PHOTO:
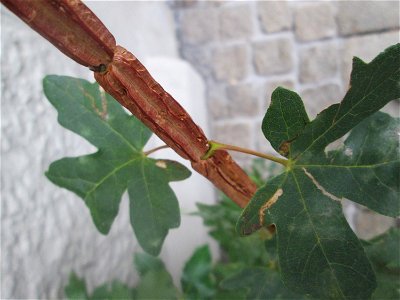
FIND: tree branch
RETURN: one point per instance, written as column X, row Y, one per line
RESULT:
column 120, row 73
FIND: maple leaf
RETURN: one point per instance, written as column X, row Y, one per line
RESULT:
column 318, row 252
column 120, row 164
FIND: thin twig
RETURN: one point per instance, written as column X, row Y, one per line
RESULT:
column 147, row 153
column 219, row 146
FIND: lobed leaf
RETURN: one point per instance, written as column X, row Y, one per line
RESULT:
column 372, row 86
column 285, row 119
column 366, row 170
column 318, row 253
column 101, row 178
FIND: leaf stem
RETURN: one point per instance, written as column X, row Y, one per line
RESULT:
column 219, row 146
column 147, row 153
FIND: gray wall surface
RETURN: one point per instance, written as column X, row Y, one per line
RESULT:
column 242, row 49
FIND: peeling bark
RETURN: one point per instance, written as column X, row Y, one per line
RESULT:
column 70, row 26
column 128, row 81
column 77, row 32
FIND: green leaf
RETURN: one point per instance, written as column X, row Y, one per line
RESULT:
column 196, row 277
column 155, row 281
column 145, row 263
column 384, row 254
column 259, row 283
column 285, row 119
column 318, row 253
column 384, row 250
column 369, row 164
column 113, row 291
column 372, row 86
column 101, row 178
column 155, row 209
column 76, row 288
column 221, row 219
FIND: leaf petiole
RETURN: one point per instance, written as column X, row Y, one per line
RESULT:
column 147, row 153
column 214, row 146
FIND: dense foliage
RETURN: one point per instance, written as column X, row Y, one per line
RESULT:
column 248, row 269
column 314, row 249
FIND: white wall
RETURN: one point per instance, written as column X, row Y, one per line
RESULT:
column 46, row 232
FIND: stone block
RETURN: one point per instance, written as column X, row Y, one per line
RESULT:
column 243, row 100
column 200, row 58
column 230, row 63
column 313, row 21
column 199, row 25
column 365, row 47
column 273, row 56
column 235, row 22
column 238, row 134
column 318, row 98
column 318, row 62
column 217, row 103
column 274, row 16
column 367, row 16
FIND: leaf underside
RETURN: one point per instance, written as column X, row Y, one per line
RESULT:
column 319, row 254
column 101, row 178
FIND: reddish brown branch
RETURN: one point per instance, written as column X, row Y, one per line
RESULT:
column 70, row 26
column 78, row 33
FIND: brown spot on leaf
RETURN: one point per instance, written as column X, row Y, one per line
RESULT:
column 284, row 148
column 320, row 187
column 161, row 164
column 271, row 201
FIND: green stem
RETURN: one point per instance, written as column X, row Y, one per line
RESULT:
column 147, row 153
column 218, row 146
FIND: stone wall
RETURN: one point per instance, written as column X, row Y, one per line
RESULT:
column 245, row 49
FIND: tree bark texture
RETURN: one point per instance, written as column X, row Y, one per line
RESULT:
column 75, row 30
